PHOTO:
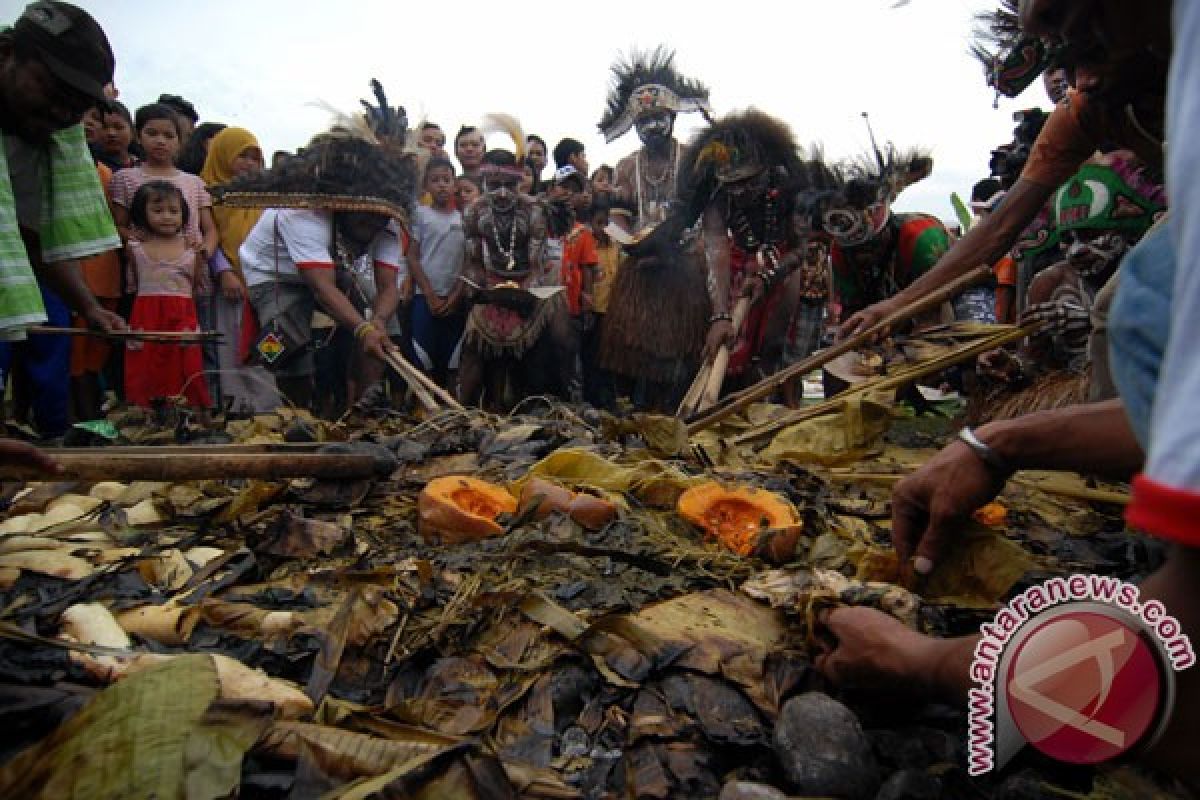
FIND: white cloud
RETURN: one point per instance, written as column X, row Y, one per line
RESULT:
column 818, row 65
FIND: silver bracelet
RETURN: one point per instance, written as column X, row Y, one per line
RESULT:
column 986, row 454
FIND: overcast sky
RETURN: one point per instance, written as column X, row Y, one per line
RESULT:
column 818, row 65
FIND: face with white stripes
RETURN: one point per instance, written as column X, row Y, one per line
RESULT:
column 1094, row 253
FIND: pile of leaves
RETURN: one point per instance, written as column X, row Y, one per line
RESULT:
column 301, row 639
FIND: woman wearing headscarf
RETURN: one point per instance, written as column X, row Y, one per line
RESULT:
column 232, row 153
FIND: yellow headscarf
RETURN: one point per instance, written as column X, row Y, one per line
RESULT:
column 233, row 224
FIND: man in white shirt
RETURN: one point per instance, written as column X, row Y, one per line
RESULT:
column 291, row 259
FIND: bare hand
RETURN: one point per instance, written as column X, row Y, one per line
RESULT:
column 720, row 334
column 376, row 343
column 24, row 454
column 437, row 305
column 231, row 288
column 940, row 496
column 754, row 288
column 872, row 650
column 101, row 319
column 1000, row 366
column 1062, row 318
column 868, row 318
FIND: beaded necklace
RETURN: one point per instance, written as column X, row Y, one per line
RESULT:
column 510, row 253
column 651, row 194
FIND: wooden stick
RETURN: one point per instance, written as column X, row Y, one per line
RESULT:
column 885, row 382
column 446, row 399
column 176, row 466
column 690, row 404
column 739, row 400
column 433, row 397
column 165, row 337
column 706, row 388
column 232, row 449
column 716, row 378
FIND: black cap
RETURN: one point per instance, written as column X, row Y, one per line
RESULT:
column 70, row 43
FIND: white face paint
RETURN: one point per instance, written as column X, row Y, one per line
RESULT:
column 655, row 126
column 501, row 192
column 1093, row 253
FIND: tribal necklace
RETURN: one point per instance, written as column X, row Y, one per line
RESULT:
column 653, row 192
column 511, row 253
column 741, row 229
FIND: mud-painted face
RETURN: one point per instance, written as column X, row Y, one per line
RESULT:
column 501, row 191
column 655, row 127
column 1094, row 253
column 749, row 191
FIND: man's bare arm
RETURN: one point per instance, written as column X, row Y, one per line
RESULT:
column 985, row 243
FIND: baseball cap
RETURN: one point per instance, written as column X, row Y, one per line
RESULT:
column 70, row 43
column 566, row 173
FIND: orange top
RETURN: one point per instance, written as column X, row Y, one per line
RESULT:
column 102, row 272
column 579, row 251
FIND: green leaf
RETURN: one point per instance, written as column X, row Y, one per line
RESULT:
column 129, row 741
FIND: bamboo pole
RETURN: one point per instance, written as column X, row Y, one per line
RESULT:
column 716, row 378
column 885, row 382
column 701, row 394
column 163, row 337
column 433, row 397
column 1085, row 493
column 99, row 465
column 764, row 388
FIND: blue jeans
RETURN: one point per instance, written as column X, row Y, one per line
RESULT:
column 45, row 364
column 434, row 338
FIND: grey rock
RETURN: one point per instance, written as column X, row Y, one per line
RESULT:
column 910, row 784
column 745, row 790
column 574, row 742
column 823, row 749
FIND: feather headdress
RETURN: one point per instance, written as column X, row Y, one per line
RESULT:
column 498, row 122
column 733, row 148
column 891, row 168
column 1011, row 60
column 360, row 164
column 645, row 82
column 853, row 203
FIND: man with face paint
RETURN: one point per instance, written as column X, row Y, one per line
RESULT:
column 1116, row 55
column 646, row 94
column 658, row 307
column 1153, row 426
column 743, row 174
column 877, row 253
column 516, row 345
column 1099, row 214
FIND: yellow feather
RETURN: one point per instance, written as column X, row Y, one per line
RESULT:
column 346, row 124
column 716, row 152
column 506, row 123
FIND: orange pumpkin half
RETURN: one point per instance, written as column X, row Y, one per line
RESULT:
column 744, row 519
column 457, row 508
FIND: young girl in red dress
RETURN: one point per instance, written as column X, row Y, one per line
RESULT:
column 166, row 269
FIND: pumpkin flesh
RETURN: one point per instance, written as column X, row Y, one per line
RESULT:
column 458, row 508
column 737, row 517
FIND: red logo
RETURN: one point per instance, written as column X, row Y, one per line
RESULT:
column 1085, row 687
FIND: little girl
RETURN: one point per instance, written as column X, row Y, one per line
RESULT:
column 158, row 134
column 115, row 136
column 165, row 269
